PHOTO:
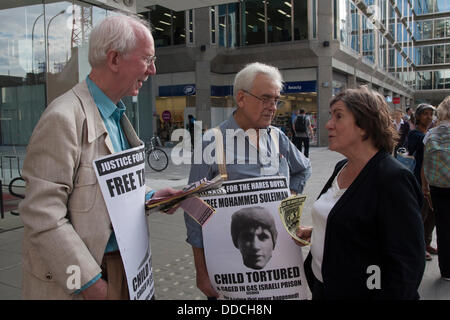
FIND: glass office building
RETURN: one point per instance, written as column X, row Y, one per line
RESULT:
column 43, row 53
column 400, row 48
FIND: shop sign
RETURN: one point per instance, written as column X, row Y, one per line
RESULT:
column 396, row 100
column 299, row 86
column 189, row 90
column 177, row 90
column 221, row 91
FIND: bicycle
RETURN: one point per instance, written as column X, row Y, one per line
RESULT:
column 157, row 159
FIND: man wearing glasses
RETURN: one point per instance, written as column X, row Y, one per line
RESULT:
column 66, row 222
column 257, row 90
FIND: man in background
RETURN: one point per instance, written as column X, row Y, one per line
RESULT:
column 302, row 132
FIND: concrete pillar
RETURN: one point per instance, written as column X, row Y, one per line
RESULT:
column 324, row 95
column 203, row 93
column 203, row 67
column 325, row 69
column 351, row 81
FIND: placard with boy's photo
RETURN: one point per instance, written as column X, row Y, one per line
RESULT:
column 249, row 254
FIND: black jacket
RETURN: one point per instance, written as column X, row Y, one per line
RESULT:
column 376, row 222
column 415, row 147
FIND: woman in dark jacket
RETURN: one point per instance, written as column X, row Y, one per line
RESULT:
column 368, row 239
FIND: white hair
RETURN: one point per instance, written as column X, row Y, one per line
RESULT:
column 244, row 79
column 118, row 33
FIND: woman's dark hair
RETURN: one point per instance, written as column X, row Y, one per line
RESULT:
column 371, row 114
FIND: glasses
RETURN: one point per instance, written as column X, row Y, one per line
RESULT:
column 149, row 60
column 267, row 102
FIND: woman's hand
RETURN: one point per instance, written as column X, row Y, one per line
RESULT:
column 304, row 233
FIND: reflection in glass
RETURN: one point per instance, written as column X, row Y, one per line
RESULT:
column 427, row 31
column 427, row 77
column 439, row 28
column 222, row 24
column 229, row 25
column 442, row 6
column 345, row 22
column 439, row 80
column 355, row 28
column 447, row 53
column 391, row 56
column 439, row 54
column 22, row 71
column 427, row 54
column 446, row 74
column 212, row 12
column 233, row 25
column 69, row 24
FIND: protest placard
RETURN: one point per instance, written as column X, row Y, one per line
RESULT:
column 122, row 182
column 249, row 254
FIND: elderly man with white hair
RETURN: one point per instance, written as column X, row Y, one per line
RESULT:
column 66, row 222
column 257, row 90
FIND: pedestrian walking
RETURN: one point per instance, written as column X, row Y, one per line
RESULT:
column 302, row 132
column 424, row 118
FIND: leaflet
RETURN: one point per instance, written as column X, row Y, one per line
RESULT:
column 290, row 211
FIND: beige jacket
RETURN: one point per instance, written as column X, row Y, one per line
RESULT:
column 64, row 214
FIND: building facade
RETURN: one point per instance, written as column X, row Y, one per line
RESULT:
column 400, row 48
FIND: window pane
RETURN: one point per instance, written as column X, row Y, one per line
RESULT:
column 439, row 54
column 427, row 6
column 279, row 21
column 426, row 84
column 427, row 54
column 447, row 79
column 418, row 30
column 179, row 27
column 447, row 53
column 427, row 32
column 355, row 28
column 439, row 80
column 253, row 22
column 191, row 26
column 212, row 13
column 22, row 72
column 300, row 19
column 160, row 19
column 234, row 25
column 442, row 6
column 391, row 57
column 439, row 28
column 222, row 26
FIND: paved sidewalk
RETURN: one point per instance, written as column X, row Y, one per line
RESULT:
column 173, row 262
